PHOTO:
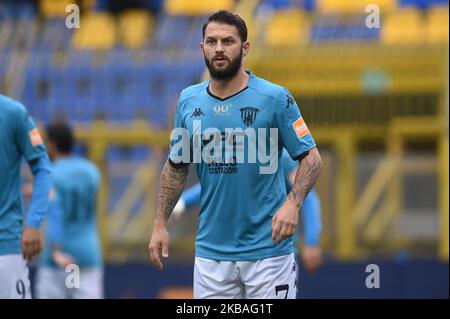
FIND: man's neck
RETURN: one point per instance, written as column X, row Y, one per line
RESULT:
column 225, row 88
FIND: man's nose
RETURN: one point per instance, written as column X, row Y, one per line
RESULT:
column 219, row 46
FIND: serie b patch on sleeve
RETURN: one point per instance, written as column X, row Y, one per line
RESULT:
column 35, row 137
column 300, row 127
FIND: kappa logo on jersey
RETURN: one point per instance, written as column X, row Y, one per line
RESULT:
column 35, row 137
column 289, row 101
column 300, row 127
column 197, row 112
column 248, row 115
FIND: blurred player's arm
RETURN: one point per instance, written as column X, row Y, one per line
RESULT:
column 55, row 229
column 286, row 219
column 311, row 252
column 31, row 146
column 31, row 237
column 171, row 184
column 189, row 198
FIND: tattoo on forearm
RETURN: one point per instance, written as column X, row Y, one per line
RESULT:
column 305, row 178
column 171, row 184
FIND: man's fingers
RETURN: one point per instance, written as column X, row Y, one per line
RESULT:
column 26, row 249
column 154, row 256
column 165, row 249
column 283, row 233
column 276, row 226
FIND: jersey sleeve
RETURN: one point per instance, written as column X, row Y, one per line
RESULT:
column 27, row 137
column 55, row 227
column 180, row 141
column 293, row 134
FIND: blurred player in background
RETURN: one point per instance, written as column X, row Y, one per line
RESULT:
column 311, row 253
column 72, row 236
column 20, row 236
column 245, row 216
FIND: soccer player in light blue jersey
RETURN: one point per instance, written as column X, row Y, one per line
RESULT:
column 234, row 127
column 72, row 236
column 311, row 253
column 20, row 237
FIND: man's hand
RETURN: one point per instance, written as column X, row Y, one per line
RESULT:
column 31, row 242
column 159, row 244
column 311, row 257
column 284, row 222
column 62, row 259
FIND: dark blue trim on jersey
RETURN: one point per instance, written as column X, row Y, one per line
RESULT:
column 228, row 97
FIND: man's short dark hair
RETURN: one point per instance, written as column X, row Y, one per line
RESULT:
column 60, row 134
column 226, row 17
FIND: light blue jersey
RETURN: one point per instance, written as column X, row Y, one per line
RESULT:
column 72, row 218
column 238, row 201
column 19, row 138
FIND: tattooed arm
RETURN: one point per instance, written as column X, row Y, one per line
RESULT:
column 285, row 220
column 171, row 185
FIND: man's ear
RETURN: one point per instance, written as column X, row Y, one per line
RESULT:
column 245, row 48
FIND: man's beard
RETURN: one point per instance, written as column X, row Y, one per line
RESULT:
column 226, row 73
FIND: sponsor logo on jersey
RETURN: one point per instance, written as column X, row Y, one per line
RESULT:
column 35, row 137
column 300, row 127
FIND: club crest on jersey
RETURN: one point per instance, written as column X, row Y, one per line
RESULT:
column 248, row 115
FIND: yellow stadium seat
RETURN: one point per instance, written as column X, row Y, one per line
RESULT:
column 196, row 7
column 437, row 25
column 54, row 8
column 287, row 28
column 353, row 6
column 98, row 31
column 403, row 26
column 135, row 28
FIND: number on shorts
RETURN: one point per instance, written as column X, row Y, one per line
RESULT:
column 20, row 287
column 282, row 288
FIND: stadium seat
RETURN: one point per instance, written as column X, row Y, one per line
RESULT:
column 135, row 27
column 352, row 6
column 54, row 8
column 437, row 25
column 196, row 7
column 403, row 26
column 98, row 31
column 287, row 28
column 423, row 4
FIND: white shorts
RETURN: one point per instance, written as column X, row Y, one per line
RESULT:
column 51, row 284
column 14, row 281
column 271, row 278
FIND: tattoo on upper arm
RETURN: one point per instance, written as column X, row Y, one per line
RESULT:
column 171, row 184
